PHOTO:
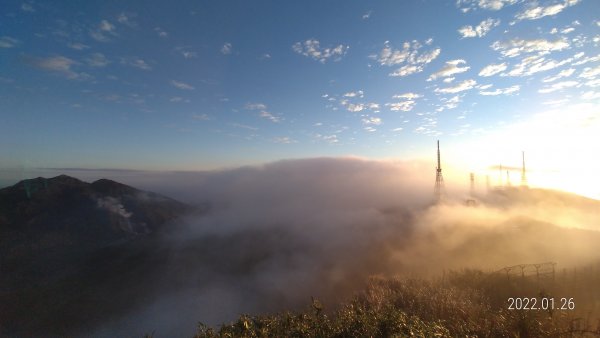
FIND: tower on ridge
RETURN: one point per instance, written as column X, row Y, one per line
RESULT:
column 439, row 179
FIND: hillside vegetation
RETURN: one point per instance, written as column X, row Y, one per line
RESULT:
column 468, row 303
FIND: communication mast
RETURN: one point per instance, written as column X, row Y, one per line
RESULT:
column 472, row 179
column 523, row 173
column 439, row 179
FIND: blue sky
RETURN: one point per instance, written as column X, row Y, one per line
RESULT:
column 194, row 85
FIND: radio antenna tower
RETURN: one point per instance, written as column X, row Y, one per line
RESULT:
column 523, row 175
column 472, row 179
column 439, row 179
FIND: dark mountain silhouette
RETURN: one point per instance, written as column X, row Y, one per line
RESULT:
column 57, row 234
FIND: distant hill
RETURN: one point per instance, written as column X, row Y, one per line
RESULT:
column 53, row 235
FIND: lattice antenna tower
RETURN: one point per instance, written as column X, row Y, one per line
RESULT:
column 472, row 179
column 439, row 190
column 523, row 172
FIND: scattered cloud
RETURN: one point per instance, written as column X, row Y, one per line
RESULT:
column 265, row 56
column 515, row 47
column 255, row 106
column 375, row 121
column 226, row 49
column 590, row 73
column 352, row 107
column 367, row 15
column 266, row 115
column 462, row 86
column 450, row 68
column 503, row 91
column 534, row 64
column 561, row 74
column 491, row 5
column 201, row 117
column 409, row 57
column 359, row 93
column 78, row 46
column 480, row 30
column 8, row 42
column 407, row 105
column 140, row 64
column 97, row 60
column 536, row 11
column 590, row 95
column 125, row 19
column 492, row 69
column 284, row 140
column 58, row 64
column 408, row 96
column 311, row 48
column 161, row 32
column 104, row 32
column 328, row 138
column 558, row 86
column 27, row 7
column 182, row 85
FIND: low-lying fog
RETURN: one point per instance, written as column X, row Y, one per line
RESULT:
column 275, row 235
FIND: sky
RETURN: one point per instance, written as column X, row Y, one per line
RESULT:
column 199, row 85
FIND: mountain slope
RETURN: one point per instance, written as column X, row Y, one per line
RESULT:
column 49, row 231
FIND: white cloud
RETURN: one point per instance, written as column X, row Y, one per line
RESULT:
column 284, row 140
column 256, row 106
column 561, row 74
column 359, row 93
column 97, row 60
column 182, row 85
column 590, row 73
column 372, row 121
column 8, row 42
column 492, row 69
column 103, row 31
column 367, row 15
column 26, row 7
column 409, row 96
column 449, row 79
column 226, row 49
column 311, row 48
column 355, row 107
column 498, row 91
column 480, row 30
column 591, row 95
column 78, row 46
column 462, row 86
column 491, row 5
column 59, row 64
column 161, row 32
column 401, row 106
column 125, row 19
column 141, row 64
column 450, row 68
column 558, row 86
column 586, row 59
column 201, row 117
column 409, row 56
column 406, row 70
column 266, row 115
column 534, row 64
column 535, row 11
column 515, row 47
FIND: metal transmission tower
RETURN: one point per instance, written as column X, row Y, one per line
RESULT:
column 472, row 179
column 439, row 179
column 523, row 175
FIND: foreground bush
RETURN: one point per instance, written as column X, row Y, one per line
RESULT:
column 463, row 305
